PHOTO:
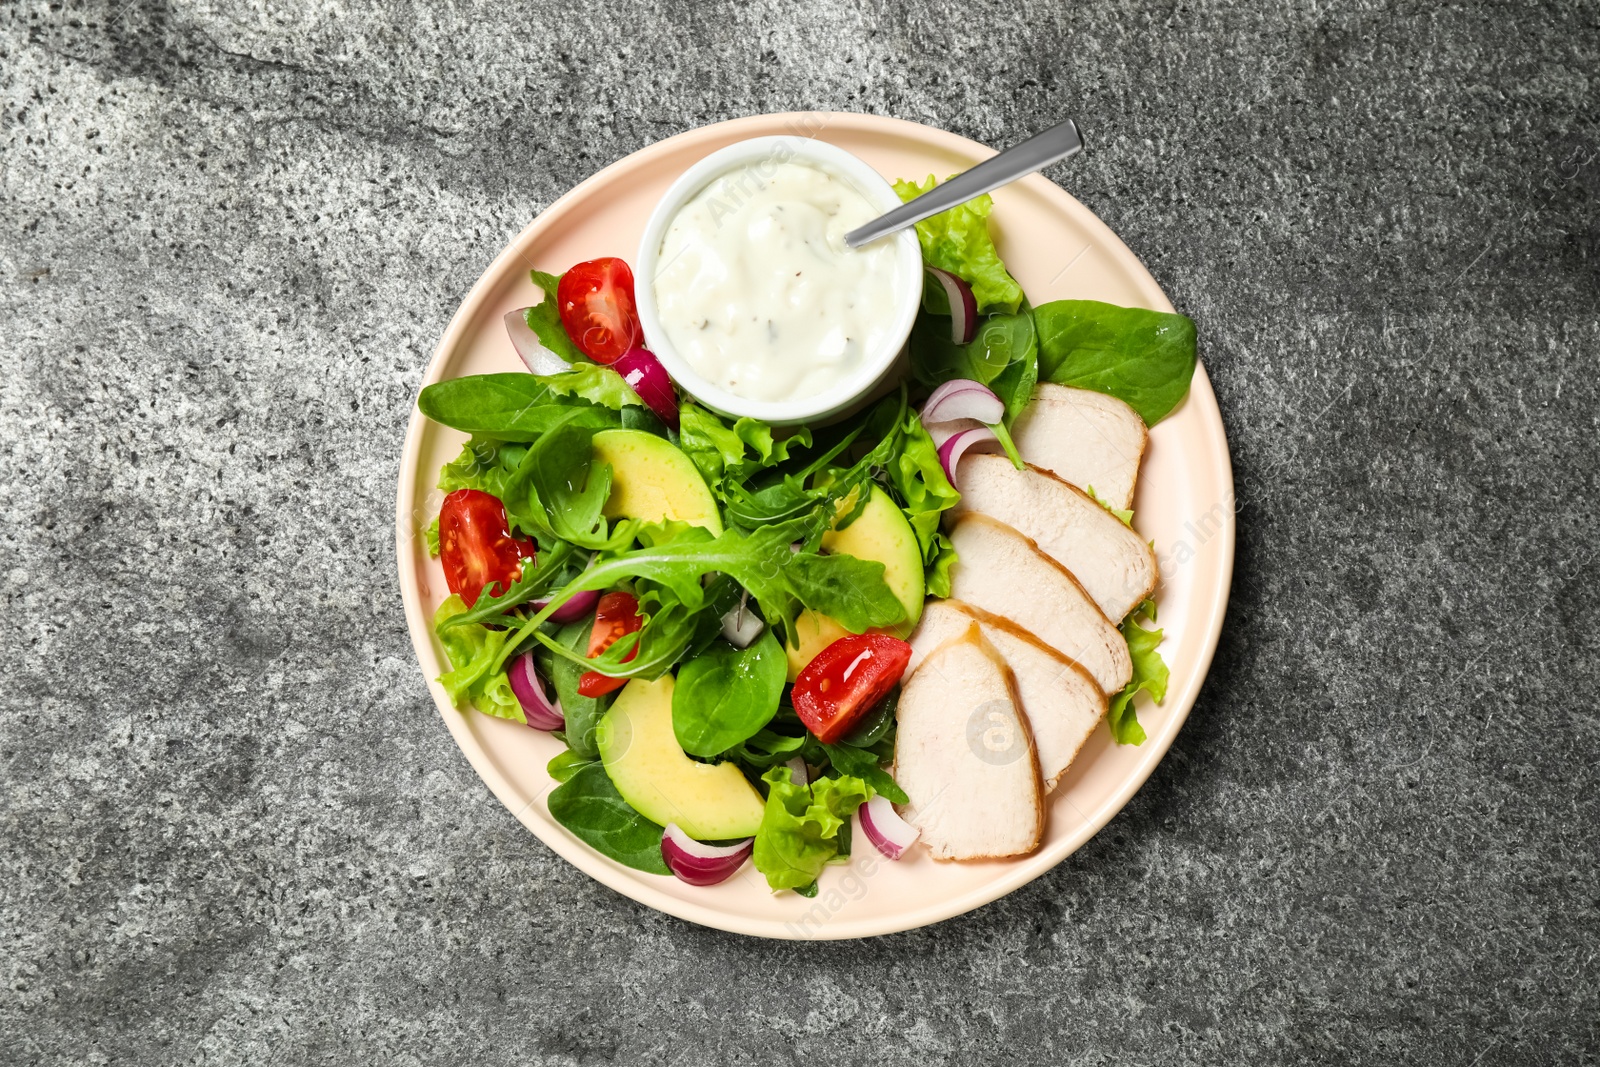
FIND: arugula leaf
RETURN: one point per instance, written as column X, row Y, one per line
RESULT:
column 509, row 407
column 859, row 763
column 1145, row 358
column 1149, row 673
column 475, row 675
column 544, row 319
column 589, row 806
column 767, row 748
column 800, row 826
column 958, row 241
column 876, row 724
column 726, row 695
column 850, row 590
column 556, row 565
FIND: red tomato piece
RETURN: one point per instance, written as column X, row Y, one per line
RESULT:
column 476, row 548
column 616, row 616
column 597, row 308
column 846, row 680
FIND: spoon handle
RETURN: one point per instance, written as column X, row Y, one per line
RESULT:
column 1036, row 153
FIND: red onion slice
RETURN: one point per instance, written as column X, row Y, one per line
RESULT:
column 951, row 451
column 941, row 432
column 643, row 371
column 539, row 359
column 576, row 607
column 698, row 863
column 963, row 398
column 888, row 832
column 541, row 711
column 963, row 306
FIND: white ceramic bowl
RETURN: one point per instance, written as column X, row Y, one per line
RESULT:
column 758, row 153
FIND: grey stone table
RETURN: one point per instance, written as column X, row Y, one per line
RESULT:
column 234, row 830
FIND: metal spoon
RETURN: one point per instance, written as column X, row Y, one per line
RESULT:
column 1036, row 153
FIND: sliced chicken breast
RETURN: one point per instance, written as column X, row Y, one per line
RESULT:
column 1060, row 699
column 1084, row 437
column 1111, row 561
column 1004, row 573
column 964, row 755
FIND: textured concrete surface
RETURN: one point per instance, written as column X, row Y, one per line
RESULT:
column 232, row 231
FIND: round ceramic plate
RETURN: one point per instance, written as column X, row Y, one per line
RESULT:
column 1185, row 505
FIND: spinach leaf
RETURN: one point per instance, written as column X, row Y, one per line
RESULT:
column 509, row 407
column 566, row 764
column 569, row 491
column 544, row 319
column 582, row 713
column 589, row 806
column 725, row 695
column 1145, row 358
column 1004, row 355
column 958, row 241
column 800, row 826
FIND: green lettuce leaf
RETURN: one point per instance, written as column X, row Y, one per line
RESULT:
column 1144, row 358
column 925, row 494
column 958, row 241
column 1125, row 515
column 1149, row 674
column 721, row 451
column 474, row 676
column 801, row 827
column 594, row 383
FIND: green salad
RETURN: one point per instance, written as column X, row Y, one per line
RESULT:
column 714, row 616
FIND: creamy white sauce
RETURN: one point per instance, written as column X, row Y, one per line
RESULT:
column 757, row 290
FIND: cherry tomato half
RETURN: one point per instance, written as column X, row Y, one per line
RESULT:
column 596, row 304
column 846, row 680
column 616, row 616
column 476, row 547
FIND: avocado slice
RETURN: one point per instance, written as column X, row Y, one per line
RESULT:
column 882, row 534
column 709, row 802
column 652, row 479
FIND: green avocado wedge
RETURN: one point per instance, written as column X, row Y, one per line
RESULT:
column 709, row 802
